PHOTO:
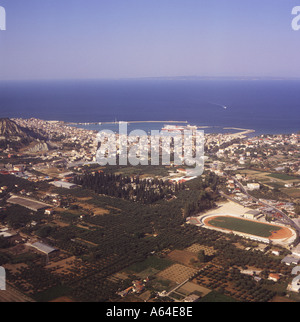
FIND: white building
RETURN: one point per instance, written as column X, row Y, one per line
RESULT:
column 295, row 285
column 296, row 251
column 253, row 186
column 290, row 260
column 62, row 184
column 296, row 270
column 252, row 214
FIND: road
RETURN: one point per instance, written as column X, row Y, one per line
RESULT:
column 284, row 218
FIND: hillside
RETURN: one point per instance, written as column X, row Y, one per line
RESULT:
column 14, row 135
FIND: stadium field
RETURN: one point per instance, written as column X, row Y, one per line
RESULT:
column 282, row 176
column 243, row 226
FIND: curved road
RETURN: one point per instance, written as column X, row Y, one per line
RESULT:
column 282, row 216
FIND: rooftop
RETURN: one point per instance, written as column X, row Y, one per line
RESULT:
column 28, row 203
column 43, row 248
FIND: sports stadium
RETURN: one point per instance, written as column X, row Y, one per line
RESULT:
column 233, row 218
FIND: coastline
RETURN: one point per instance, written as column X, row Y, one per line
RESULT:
column 240, row 131
column 266, row 107
column 129, row 122
column 211, row 129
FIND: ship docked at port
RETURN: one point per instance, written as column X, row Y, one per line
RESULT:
column 173, row 128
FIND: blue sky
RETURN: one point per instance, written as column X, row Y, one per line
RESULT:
column 51, row 39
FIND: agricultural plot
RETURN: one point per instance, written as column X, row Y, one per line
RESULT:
column 12, row 295
column 97, row 211
column 182, row 256
column 177, row 273
column 159, row 284
column 282, row 176
column 152, row 262
column 267, row 176
column 215, row 297
column 191, row 288
column 142, row 171
column 292, row 192
column 196, row 248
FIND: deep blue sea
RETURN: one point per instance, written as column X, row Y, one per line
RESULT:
column 267, row 106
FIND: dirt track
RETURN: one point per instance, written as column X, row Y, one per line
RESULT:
column 283, row 233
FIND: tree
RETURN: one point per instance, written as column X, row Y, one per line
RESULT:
column 44, row 231
column 201, row 256
column 4, row 242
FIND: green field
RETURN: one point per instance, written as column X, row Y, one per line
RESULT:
column 282, row 176
column 151, row 262
column 244, row 226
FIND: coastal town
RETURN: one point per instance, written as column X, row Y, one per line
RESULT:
column 57, row 202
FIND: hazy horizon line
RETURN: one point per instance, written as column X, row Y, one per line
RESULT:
column 183, row 77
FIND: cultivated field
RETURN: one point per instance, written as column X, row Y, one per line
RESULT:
column 189, row 288
column 97, row 211
column 269, row 177
column 177, row 273
column 196, row 248
column 282, row 176
column 182, row 256
column 11, row 295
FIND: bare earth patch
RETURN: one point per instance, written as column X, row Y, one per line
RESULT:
column 95, row 210
column 182, row 256
column 190, row 287
column 63, row 299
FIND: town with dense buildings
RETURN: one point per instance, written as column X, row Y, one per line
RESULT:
column 74, row 230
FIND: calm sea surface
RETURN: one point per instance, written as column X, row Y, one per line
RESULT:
column 271, row 106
